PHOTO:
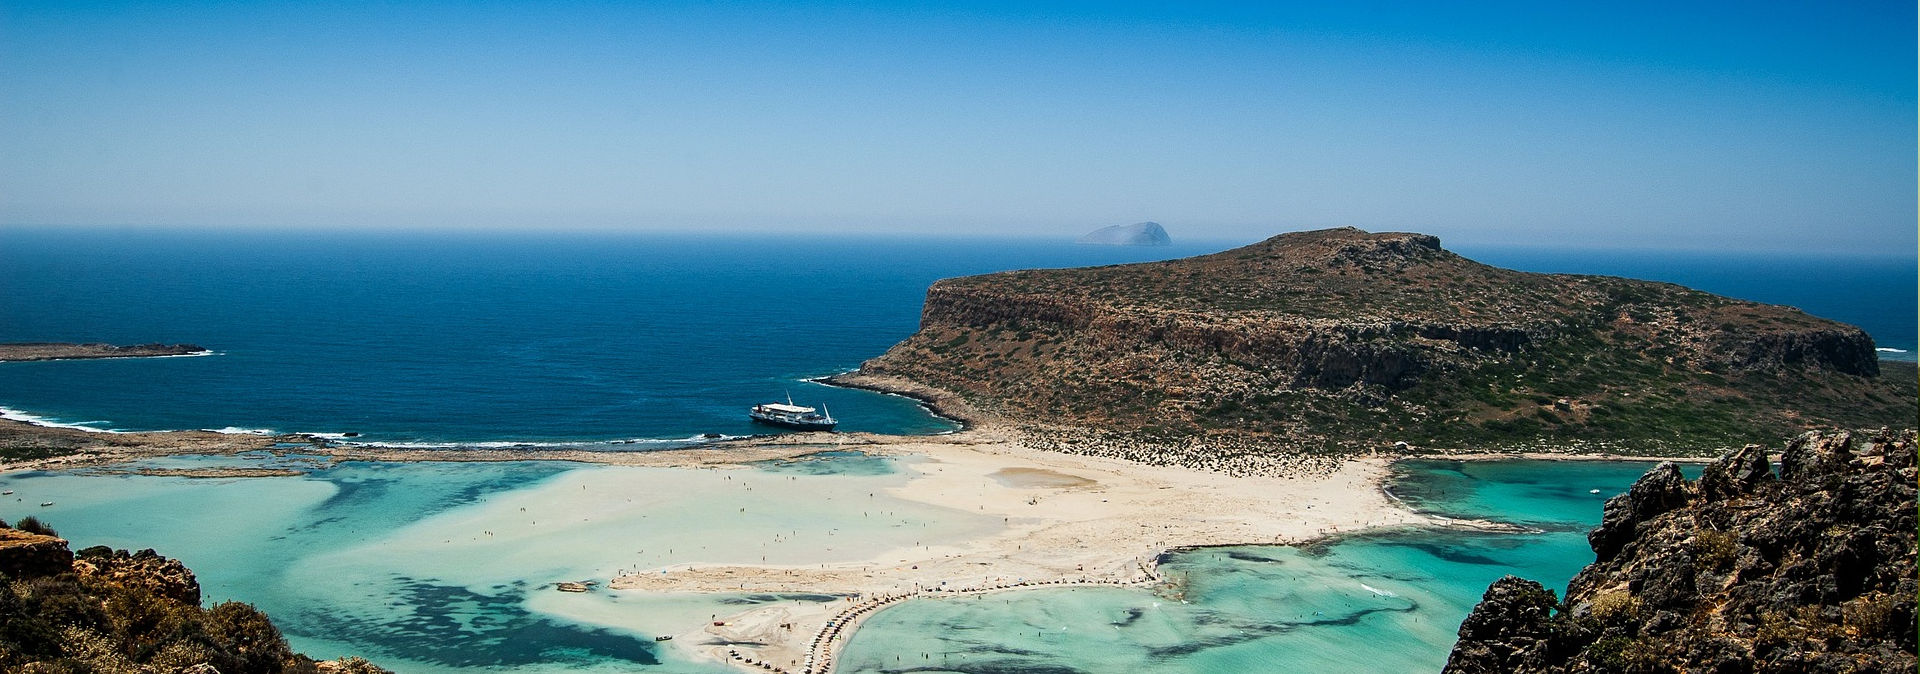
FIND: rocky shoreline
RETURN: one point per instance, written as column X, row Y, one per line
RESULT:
column 1744, row 570
column 27, row 351
column 105, row 610
column 941, row 403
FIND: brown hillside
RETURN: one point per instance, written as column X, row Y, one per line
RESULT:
column 1342, row 338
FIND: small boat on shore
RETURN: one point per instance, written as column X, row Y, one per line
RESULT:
column 793, row 416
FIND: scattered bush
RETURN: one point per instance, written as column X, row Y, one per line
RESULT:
column 33, row 525
column 1868, row 616
column 1618, row 607
column 1715, row 550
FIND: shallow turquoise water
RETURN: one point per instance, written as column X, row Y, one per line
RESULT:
column 446, row 567
column 1382, row 602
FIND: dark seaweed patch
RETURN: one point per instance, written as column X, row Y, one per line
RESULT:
column 1248, row 557
column 453, row 626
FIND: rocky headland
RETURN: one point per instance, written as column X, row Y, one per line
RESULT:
column 1744, row 570
column 1346, row 340
column 18, row 351
column 26, row 445
column 104, row 610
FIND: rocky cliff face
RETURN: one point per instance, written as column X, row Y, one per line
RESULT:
column 109, row 610
column 1342, row 336
column 27, row 554
column 1811, row 570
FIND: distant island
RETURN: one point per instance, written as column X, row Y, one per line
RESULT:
column 20, row 351
column 1346, row 340
column 1138, row 234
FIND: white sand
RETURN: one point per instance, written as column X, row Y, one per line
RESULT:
column 1108, row 528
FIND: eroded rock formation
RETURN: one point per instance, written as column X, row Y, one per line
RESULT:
column 107, row 610
column 1740, row 571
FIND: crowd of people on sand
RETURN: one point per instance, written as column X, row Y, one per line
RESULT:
column 1239, row 457
column 820, row 652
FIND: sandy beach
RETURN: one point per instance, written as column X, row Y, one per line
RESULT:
column 1069, row 519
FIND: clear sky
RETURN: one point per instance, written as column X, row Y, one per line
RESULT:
column 1748, row 125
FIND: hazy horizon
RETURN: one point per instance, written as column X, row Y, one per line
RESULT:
column 1779, row 127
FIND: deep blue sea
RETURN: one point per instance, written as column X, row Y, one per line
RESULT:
column 511, row 337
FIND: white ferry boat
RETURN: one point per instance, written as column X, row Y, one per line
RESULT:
column 793, row 416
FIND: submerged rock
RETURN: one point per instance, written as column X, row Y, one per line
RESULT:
column 1740, row 572
column 1138, row 234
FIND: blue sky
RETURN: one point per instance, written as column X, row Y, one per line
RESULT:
column 1764, row 126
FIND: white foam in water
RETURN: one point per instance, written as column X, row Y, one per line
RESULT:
column 1889, row 350
column 640, row 443
column 196, row 354
column 236, row 430
column 1377, row 591
column 37, row 420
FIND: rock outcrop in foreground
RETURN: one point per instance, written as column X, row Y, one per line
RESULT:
column 1811, row 570
column 1345, row 339
column 104, row 610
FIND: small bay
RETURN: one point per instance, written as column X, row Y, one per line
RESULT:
column 1384, row 601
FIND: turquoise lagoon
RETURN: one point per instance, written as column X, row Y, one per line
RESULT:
column 447, row 567
column 1380, row 602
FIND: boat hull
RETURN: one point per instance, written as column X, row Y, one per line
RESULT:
column 794, row 424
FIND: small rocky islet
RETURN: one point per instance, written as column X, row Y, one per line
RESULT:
column 1137, row 234
column 24, row 351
